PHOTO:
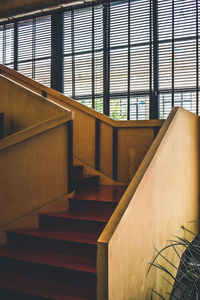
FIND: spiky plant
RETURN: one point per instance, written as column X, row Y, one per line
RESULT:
column 187, row 280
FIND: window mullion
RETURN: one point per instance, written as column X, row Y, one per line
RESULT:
column 106, row 59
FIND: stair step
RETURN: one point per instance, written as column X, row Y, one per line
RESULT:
column 92, row 207
column 86, row 181
column 55, row 234
column 50, row 272
column 17, row 282
column 94, row 215
column 56, row 259
column 29, row 241
column 8, row 294
column 77, row 171
column 101, row 193
column 47, row 221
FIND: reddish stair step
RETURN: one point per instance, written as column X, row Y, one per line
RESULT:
column 49, row 272
column 71, row 224
column 58, row 260
column 51, row 258
column 24, row 285
column 95, row 215
column 77, row 171
column 56, row 234
column 32, row 240
column 101, row 193
column 88, row 206
column 85, row 181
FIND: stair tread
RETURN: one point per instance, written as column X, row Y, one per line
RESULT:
column 81, row 215
column 101, row 193
column 43, row 256
column 44, row 287
column 85, row 177
column 58, row 234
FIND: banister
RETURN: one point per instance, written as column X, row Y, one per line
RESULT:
column 99, row 144
column 46, row 92
column 161, row 197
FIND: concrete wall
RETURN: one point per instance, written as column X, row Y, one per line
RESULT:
column 161, row 198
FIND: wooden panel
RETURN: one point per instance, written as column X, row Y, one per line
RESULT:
column 106, row 144
column 33, row 173
column 133, row 143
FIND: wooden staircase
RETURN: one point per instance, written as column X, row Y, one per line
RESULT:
column 58, row 260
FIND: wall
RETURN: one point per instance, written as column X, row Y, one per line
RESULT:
column 23, row 108
column 161, row 198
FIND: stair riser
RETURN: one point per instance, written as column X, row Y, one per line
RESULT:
column 77, row 171
column 48, row 272
column 92, row 206
column 86, row 182
column 31, row 242
column 48, row 222
column 7, row 294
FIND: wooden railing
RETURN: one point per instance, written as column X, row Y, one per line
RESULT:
column 162, row 197
column 116, row 148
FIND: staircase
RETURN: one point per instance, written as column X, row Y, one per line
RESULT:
column 58, row 260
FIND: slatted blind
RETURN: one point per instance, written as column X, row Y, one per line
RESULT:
column 83, row 56
column 121, row 62
column 34, row 48
column 126, row 58
column 7, row 45
column 178, row 42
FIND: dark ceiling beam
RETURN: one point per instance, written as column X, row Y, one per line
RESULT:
column 9, row 8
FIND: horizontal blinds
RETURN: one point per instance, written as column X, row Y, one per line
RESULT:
column 178, row 61
column 130, row 59
column 7, row 45
column 129, row 43
column 110, row 55
column 83, row 56
column 34, row 48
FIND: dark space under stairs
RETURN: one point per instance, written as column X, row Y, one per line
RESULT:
column 58, row 260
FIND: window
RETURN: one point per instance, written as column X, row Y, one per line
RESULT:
column 178, row 44
column 7, row 45
column 83, row 56
column 131, row 59
column 34, row 49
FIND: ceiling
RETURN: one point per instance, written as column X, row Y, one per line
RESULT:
column 10, row 8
